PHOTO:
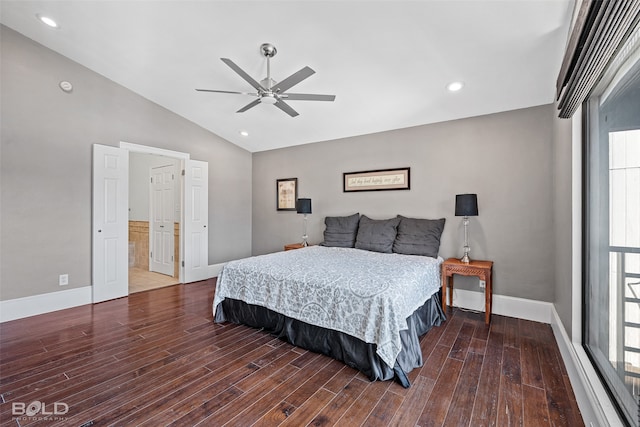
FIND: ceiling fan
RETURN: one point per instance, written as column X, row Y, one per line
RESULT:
column 270, row 91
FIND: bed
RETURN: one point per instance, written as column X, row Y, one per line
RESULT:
column 364, row 307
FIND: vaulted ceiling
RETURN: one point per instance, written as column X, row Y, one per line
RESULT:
column 387, row 62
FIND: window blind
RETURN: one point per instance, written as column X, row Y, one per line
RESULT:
column 601, row 27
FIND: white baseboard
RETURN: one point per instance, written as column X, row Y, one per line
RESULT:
column 19, row 308
column 215, row 269
column 593, row 400
column 538, row 311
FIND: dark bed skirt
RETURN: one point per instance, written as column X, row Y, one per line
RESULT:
column 346, row 348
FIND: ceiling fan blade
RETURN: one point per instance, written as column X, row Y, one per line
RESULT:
column 226, row 91
column 249, row 105
column 242, row 74
column 293, row 79
column 307, row 97
column 286, row 108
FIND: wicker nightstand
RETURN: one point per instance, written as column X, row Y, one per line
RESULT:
column 482, row 269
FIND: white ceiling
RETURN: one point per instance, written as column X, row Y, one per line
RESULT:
column 387, row 62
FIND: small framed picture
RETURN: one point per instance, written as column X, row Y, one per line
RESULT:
column 286, row 194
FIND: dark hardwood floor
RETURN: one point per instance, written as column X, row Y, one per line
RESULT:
column 155, row 358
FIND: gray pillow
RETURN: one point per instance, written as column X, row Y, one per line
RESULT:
column 418, row 236
column 341, row 231
column 377, row 234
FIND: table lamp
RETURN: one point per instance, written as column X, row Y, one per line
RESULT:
column 303, row 206
column 466, row 206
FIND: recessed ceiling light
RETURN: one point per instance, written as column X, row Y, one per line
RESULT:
column 244, row 133
column 47, row 21
column 455, row 86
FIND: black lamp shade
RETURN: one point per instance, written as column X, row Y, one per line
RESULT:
column 467, row 205
column 303, row 206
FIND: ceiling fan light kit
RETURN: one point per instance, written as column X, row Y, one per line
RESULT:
column 270, row 91
column 268, row 98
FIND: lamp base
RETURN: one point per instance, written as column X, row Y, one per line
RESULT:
column 304, row 232
column 465, row 258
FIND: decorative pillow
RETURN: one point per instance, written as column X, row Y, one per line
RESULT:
column 341, row 231
column 377, row 234
column 418, row 236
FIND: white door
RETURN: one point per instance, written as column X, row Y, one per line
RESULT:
column 161, row 235
column 110, row 236
column 196, row 211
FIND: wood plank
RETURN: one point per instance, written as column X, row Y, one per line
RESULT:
column 530, row 363
column 277, row 415
column 536, row 412
column 461, row 344
column 299, row 396
column 303, row 415
column 429, row 340
column 558, row 401
column 384, row 411
column 485, row 408
column 341, row 380
column 409, row 412
column 477, row 346
column 510, row 410
column 438, row 403
column 464, row 396
column 511, row 333
column 340, row 404
column 362, row 407
column 452, row 328
column 433, row 365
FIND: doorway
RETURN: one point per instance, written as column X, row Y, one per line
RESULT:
column 154, row 221
column 110, row 218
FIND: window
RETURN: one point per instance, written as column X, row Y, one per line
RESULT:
column 612, row 229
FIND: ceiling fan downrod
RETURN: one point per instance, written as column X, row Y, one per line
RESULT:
column 268, row 51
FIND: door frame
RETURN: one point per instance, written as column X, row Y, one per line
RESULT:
column 183, row 157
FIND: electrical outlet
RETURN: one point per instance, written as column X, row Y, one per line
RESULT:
column 482, row 283
column 63, row 279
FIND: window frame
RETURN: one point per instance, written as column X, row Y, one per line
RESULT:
column 619, row 70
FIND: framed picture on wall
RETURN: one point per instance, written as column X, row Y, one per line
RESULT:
column 286, row 194
column 383, row 179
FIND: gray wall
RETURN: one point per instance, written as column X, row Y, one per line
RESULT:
column 562, row 181
column 46, row 141
column 505, row 158
column 140, row 165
